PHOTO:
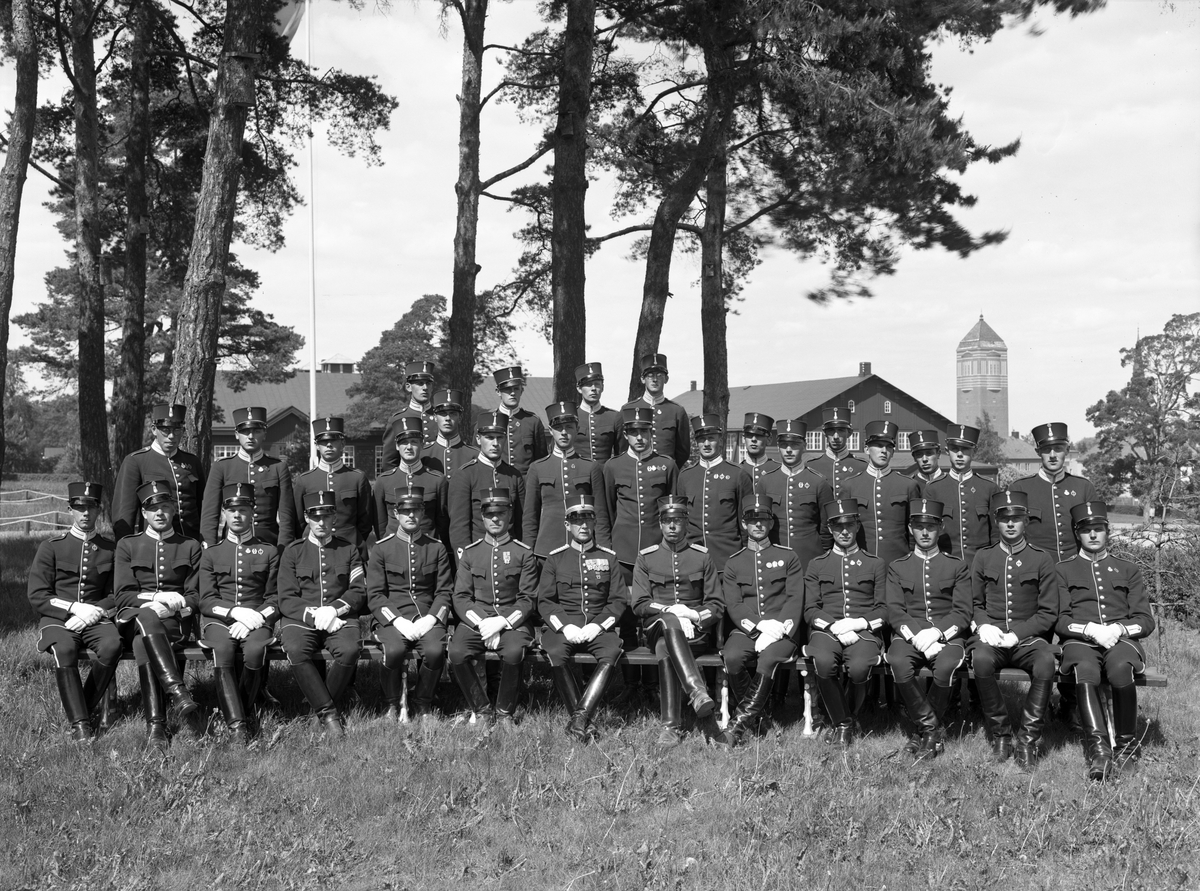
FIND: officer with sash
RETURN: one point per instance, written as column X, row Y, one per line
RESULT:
column 715, row 490
column 966, row 497
column 836, row 463
column 161, row 460
column 274, row 513
column 599, row 436
column 355, row 509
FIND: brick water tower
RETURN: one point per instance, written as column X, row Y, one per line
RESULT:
column 982, row 377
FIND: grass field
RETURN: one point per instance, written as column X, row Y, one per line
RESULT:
column 442, row 805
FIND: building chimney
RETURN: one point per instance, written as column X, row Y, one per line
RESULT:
column 864, row 369
column 693, row 386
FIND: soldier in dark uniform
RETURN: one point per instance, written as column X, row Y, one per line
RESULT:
column 926, row 449
column 837, row 463
column 756, row 434
column 448, row 452
column 764, row 594
column 581, row 598
column 409, row 586
column 239, row 603
column 418, row 377
column 966, row 497
column 156, row 584
column 322, row 592
column 526, row 437
column 797, row 495
column 494, row 594
column 487, row 471
column 929, row 611
column 1104, row 614
column 1014, row 589
column 715, row 490
column 70, row 588
column 844, row 610
column 274, row 514
column 413, row 472
column 670, row 434
column 161, row 460
column 599, row 437
column 355, row 514
column 883, row 495
column 676, row 595
column 554, row 479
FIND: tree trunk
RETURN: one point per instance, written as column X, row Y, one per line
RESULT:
column 569, row 189
column 713, row 311
column 93, row 413
column 194, row 372
column 129, row 389
column 460, row 372
column 12, row 177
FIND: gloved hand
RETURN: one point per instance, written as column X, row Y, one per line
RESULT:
column 74, row 623
column 324, row 617
column 492, row 626
column 336, row 625
column 990, row 635
column 251, row 618
column 159, row 609
column 493, row 642
column 689, row 630
column 1009, row 640
column 405, row 627
column 922, row 639
column 1110, row 636
column 573, row 634
column 848, row 638
column 683, row 612
column 590, row 632
column 933, row 649
column 841, row 626
column 88, row 613
column 423, row 626
column 238, row 631
column 173, row 600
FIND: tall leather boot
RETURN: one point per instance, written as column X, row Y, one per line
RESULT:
column 739, row 686
column 422, row 698
column 564, row 685
column 689, row 672
column 841, row 730
column 338, row 678
column 862, row 697
column 670, row 705
column 95, row 690
column 1096, row 749
column 472, row 690
column 923, row 744
column 251, row 682
column 70, row 691
column 508, row 690
column 391, row 681
column 750, row 708
column 580, row 724
column 939, row 699
column 166, row 669
column 1124, row 706
column 1068, row 711
column 153, row 707
column 995, row 717
column 308, row 679
column 1033, row 718
column 230, row 700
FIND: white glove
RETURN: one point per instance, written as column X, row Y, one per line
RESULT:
column 76, row 624
column 1112, row 634
column 423, row 626
column 324, row 617
column 573, row 634
column 493, row 642
column 88, row 612
column 689, row 630
column 933, row 649
column 251, row 618
column 990, row 635
column 1093, row 631
column 492, row 626
column 848, row 638
column 1009, row 640
column 772, row 627
column 684, row 612
column 922, row 639
column 160, row 609
column 589, row 632
column 238, row 631
column 763, row 641
column 405, row 627
column 336, row 625
column 841, row 626
column 173, row 600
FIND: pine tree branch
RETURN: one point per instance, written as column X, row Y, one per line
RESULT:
column 505, row 174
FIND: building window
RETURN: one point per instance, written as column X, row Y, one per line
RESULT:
column 855, row 441
column 378, row 460
column 902, row 441
column 348, row 456
column 887, row 407
column 850, row 405
column 224, row 451
column 814, row 441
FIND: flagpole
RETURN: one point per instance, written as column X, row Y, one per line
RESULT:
column 312, row 254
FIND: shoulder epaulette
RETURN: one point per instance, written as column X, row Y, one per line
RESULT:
column 649, row 550
column 1034, row 547
column 469, row 463
column 60, row 536
column 909, row 556
column 561, row 549
column 1069, row 559
column 142, row 449
column 518, row 541
column 389, row 472
column 472, row 544
column 738, row 551
column 701, row 548
column 606, row 550
column 390, row 535
column 951, row 556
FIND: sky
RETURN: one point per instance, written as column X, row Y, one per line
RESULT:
column 1102, row 206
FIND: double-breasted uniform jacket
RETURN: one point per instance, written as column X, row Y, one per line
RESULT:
column 667, row 574
column 1050, row 501
column 352, row 491
column 466, row 517
column 845, row 585
column 185, row 474
column 148, row 563
column 274, row 511
column 968, row 524
column 929, row 590
column 409, row 578
column 525, row 441
column 72, row 568
column 836, row 470
column 446, row 456
column 715, row 490
column 314, row 574
column 429, row 431
column 423, row 475
column 759, row 470
column 672, row 432
column 1106, row 590
column 632, row 487
column 496, row 577
column 1015, row 589
column 797, row 500
column 241, row 571
column 547, row 485
column 600, row 435
column 764, row 583
column 883, row 509
column 582, row 585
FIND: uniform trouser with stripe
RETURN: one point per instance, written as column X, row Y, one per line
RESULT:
column 66, row 646
column 396, row 647
column 466, row 643
column 829, row 655
column 906, row 660
column 302, row 644
column 740, row 655
column 225, row 648
column 146, row 622
column 605, row 647
column 1088, row 662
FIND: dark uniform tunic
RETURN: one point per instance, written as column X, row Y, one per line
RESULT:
column 762, row 583
column 1017, row 591
column 600, row 435
column 844, row 585
column 797, row 500
column 436, row 522
column 73, row 568
column 883, row 508
column 274, row 513
column 242, row 571
column 928, row 590
column 923, row 482
column 968, row 524
column 582, row 585
column 548, row 484
column 525, row 441
column 183, row 470
column 836, row 470
column 466, row 517
column 429, row 431
column 352, row 492
column 672, row 432
column 496, row 577
column 666, row 575
column 446, row 457
column 759, row 470
column 314, row 574
column 144, row 565
column 1050, row 503
column 409, row 578
column 632, row 487
column 714, row 491
column 1106, row 590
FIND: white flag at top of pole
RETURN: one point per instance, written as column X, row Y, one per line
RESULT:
column 287, row 20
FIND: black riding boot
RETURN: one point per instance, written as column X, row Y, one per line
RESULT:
column 564, row 685
column 670, row 698
column 391, row 681
column 95, row 692
column 923, row 744
column 338, row 678
column 939, row 699
column 70, row 691
column 251, row 683
column 153, row 707
column 1096, row 749
column 580, row 724
column 509, row 689
column 689, row 672
column 1124, row 705
column 472, row 690
column 308, row 679
column 422, row 698
column 841, row 729
column 750, row 708
column 230, row 700
column 995, row 717
column 1068, row 711
column 1033, row 719
column 739, row 686
column 166, row 669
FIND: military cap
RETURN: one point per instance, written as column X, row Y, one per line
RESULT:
column 836, row 416
column 1008, row 501
column 447, row 400
column 1089, row 512
column 501, row 498
column 492, row 422
column 793, row 429
column 672, row 505
column 562, row 412
column 405, row 426
column 702, row 424
column 320, row 503
column 637, row 417
column 962, row 435
column 757, row 506
column 418, row 371
column 881, row 431
column 507, row 377
column 841, row 508
column 588, row 371
column 1054, row 433
column 237, row 495
column 250, row 416
column 581, row 503
column 757, row 422
column 408, row 497
column 654, row 362
column 328, row 428
column 924, row 440
column 84, row 494
column 926, row 509
column 164, row 415
column 154, row 492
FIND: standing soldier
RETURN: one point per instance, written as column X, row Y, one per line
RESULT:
column 797, row 495
column 408, row 590
column 837, row 463
column 354, row 506
column 494, row 593
column 1014, row 589
column 844, row 610
column 925, row 450
column 156, row 582
column 556, row 478
column 526, row 440
column 485, row 472
column 448, row 452
column 238, row 600
column 764, row 594
column 70, row 588
column 321, row 595
column 582, row 596
column 418, row 378
column 883, row 495
column 1103, row 615
column 756, row 433
column 274, row 514
column 599, row 436
column 966, row 497
column 413, row 472
column 677, row 597
column 161, row 460
column 669, row 433
column 929, row 610
column 715, row 490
